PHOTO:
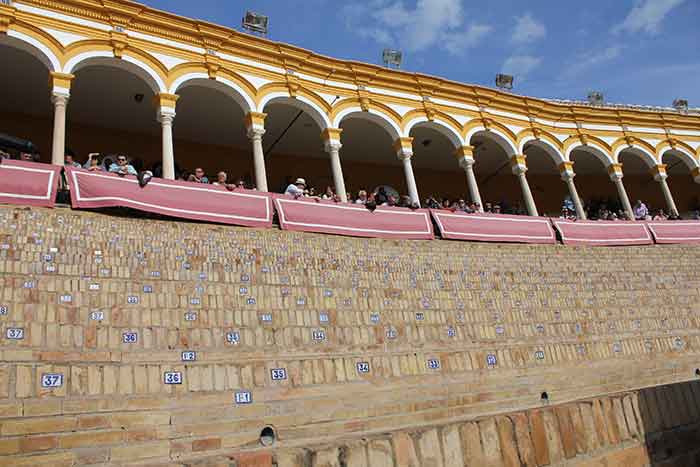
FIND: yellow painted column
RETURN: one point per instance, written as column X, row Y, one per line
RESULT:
column 465, row 158
column 567, row 174
column 331, row 143
column 660, row 175
column 165, row 104
column 255, row 125
column 60, row 84
column 615, row 172
column 404, row 151
column 519, row 167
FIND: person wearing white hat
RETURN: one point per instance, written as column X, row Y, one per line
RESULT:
column 297, row 188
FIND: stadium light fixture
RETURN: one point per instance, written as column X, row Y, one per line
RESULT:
column 392, row 58
column 504, row 81
column 255, row 22
column 596, row 98
column 681, row 105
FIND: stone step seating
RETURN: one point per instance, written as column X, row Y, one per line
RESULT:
column 517, row 312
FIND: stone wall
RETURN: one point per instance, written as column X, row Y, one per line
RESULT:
column 432, row 339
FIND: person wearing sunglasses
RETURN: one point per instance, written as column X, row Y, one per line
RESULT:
column 122, row 167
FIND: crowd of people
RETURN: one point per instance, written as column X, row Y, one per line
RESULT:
column 120, row 164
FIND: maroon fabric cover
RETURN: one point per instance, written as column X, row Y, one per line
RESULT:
column 603, row 233
column 493, row 227
column 28, row 183
column 172, row 198
column 675, row 231
column 353, row 219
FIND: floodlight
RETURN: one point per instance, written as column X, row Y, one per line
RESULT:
column 680, row 105
column 255, row 22
column 392, row 58
column 504, row 81
column 596, row 98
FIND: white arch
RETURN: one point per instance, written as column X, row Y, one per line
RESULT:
column 591, row 148
column 681, row 153
column 495, row 135
column 642, row 153
column 372, row 115
column 301, row 103
column 105, row 57
column 438, row 125
column 545, row 145
column 226, row 86
column 30, row 45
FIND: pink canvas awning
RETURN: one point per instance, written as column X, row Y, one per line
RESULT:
column 352, row 219
column 28, row 183
column 675, row 231
column 602, row 233
column 171, row 198
column 493, row 227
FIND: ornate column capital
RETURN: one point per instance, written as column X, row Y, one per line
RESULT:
column 60, row 84
column 165, row 107
column 659, row 172
column 464, row 151
column 566, row 169
column 255, row 120
column 518, row 164
column 404, row 148
column 696, row 175
column 331, row 139
column 255, row 132
column 615, row 172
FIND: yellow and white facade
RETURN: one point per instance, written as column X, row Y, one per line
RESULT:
column 171, row 54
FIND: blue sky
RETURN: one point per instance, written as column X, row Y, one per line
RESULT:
column 634, row 51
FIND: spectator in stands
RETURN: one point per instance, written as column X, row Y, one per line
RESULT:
column 69, row 162
column 198, row 176
column 93, row 163
column 25, row 156
column 4, row 155
column 361, row 197
column 122, row 167
column 432, row 203
column 488, row 208
column 296, row 189
column 405, row 202
column 640, row 210
column 497, row 209
column 381, row 196
column 240, row 184
column 660, row 215
column 445, row 204
column 221, row 178
column 329, row 194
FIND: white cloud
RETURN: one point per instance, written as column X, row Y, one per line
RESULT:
column 647, row 16
column 432, row 23
column 456, row 42
column 520, row 65
column 592, row 59
column 527, row 29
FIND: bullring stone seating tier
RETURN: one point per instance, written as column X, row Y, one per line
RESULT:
column 142, row 339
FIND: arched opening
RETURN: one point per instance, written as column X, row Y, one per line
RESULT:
column 368, row 155
column 500, row 189
column 598, row 194
column 436, row 169
column 293, row 147
column 543, row 174
column 209, row 133
column 26, row 111
column 639, row 181
column 111, row 111
column 686, row 193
